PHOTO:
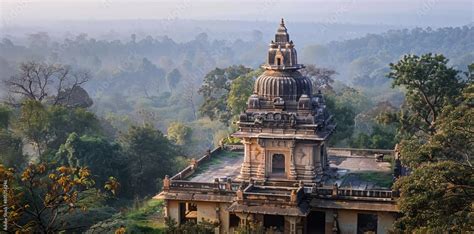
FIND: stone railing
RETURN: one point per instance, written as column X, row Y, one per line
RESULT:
column 189, row 170
column 190, row 186
column 294, row 195
column 352, row 194
column 282, row 195
column 359, row 152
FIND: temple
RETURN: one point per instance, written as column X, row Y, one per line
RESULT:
column 283, row 177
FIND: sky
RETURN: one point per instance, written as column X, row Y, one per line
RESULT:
column 406, row 12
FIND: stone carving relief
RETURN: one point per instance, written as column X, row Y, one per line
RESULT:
column 301, row 157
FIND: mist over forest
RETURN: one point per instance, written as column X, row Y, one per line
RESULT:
column 153, row 74
column 102, row 102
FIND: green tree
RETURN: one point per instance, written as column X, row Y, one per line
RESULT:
column 344, row 118
column 104, row 159
column 33, row 124
column 322, row 78
column 151, row 156
column 215, row 91
column 240, row 90
column 44, row 196
column 438, row 130
column 430, row 85
column 179, row 133
column 173, row 78
column 52, row 83
column 5, row 114
column 47, row 127
column 11, row 153
column 437, row 198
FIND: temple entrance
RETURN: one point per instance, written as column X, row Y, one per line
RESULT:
column 187, row 212
column 234, row 221
column 316, row 222
column 366, row 223
column 278, row 164
column 276, row 223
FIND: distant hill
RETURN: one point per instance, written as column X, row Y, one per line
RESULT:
column 364, row 61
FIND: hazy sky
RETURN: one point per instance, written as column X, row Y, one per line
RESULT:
column 407, row 12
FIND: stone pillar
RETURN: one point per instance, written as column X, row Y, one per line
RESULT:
column 335, row 190
column 319, row 162
column 166, row 183
column 245, row 170
column 261, row 169
column 243, row 218
column 166, row 208
column 293, row 222
column 292, row 172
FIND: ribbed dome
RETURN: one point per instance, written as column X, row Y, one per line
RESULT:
column 287, row 84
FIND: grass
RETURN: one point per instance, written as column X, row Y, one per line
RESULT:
column 147, row 218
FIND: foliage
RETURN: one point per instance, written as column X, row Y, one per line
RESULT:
column 179, row 133
column 381, row 138
column 104, row 159
column 55, row 83
column 322, row 78
column 240, row 90
column 430, row 85
column 147, row 149
column 437, row 197
column 173, row 78
column 436, row 121
column 11, row 153
column 215, row 90
column 204, row 226
column 252, row 227
column 5, row 115
column 344, row 118
column 48, row 196
column 145, row 218
column 49, row 126
column 345, row 105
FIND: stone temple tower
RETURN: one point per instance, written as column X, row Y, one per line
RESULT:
column 286, row 125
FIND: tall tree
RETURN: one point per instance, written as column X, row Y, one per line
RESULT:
column 438, row 130
column 321, row 77
column 240, row 90
column 42, row 197
column 151, row 157
column 173, row 78
column 430, row 85
column 41, row 82
column 11, row 155
column 47, row 127
column 179, row 133
column 215, row 91
column 104, row 159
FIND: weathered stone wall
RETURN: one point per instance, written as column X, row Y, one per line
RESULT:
column 348, row 221
column 207, row 211
column 173, row 210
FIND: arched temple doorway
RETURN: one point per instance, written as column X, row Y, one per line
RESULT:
column 278, row 164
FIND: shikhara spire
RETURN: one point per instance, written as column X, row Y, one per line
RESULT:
column 282, row 54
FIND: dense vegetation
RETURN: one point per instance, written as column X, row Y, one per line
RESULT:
column 436, row 131
column 96, row 125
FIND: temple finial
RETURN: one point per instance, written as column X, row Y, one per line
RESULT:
column 282, row 22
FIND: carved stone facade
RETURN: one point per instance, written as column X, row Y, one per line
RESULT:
column 282, row 185
column 303, row 161
column 285, row 127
